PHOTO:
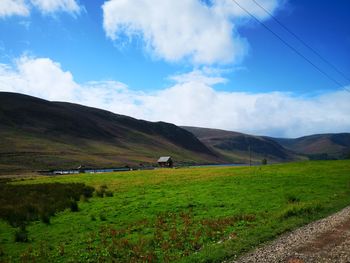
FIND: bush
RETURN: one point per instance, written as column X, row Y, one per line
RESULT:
column 88, row 191
column 100, row 193
column 45, row 218
column 20, row 204
column 74, row 206
column 108, row 193
column 21, row 235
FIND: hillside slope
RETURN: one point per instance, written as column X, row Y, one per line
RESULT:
column 237, row 147
column 319, row 146
column 38, row 134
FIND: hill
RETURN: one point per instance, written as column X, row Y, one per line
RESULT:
column 39, row 134
column 237, row 147
column 319, row 146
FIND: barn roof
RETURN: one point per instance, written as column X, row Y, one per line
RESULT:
column 164, row 159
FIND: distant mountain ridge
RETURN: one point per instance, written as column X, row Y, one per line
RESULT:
column 319, row 146
column 240, row 147
column 39, row 134
column 235, row 146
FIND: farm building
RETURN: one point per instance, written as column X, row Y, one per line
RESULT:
column 165, row 161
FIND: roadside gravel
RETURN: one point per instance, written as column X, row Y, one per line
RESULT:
column 323, row 241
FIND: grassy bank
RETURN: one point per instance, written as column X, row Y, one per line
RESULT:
column 194, row 214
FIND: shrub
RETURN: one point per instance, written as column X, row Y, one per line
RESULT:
column 20, row 204
column 88, row 191
column 21, row 235
column 45, row 218
column 100, row 193
column 74, row 206
column 108, row 193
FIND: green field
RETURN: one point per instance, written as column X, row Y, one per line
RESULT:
column 188, row 214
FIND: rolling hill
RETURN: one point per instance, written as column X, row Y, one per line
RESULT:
column 319, row 146
column 38, row 134
column 238, row 147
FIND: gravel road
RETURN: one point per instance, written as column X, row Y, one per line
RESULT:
column 326, row 240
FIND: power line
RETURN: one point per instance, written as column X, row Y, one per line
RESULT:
column 290, row 46
column 303, row 42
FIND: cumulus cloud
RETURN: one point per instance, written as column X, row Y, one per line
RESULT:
column 192, row 100
column 188, row 29
column 13, row 7
column 38, row 77
column 22, row 7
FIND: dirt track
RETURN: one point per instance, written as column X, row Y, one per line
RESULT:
column 326, row 240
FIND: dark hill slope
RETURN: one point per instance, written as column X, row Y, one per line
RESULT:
column 319, row 146
column 38, row 134
column 235, row 146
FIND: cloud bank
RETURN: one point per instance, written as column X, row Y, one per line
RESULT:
column 188, row 29
column 192, row 101
column 47, row 7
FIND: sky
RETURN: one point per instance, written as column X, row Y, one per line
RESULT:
column 206, row 63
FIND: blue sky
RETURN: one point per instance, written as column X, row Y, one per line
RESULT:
column 321, row 24
column 136, row 54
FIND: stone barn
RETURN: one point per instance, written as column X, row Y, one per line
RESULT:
column 165, row 161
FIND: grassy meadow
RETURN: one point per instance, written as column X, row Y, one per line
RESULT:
column 186, row 215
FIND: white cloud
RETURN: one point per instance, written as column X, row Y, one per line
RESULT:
column 192, row 100
column 22, row 7
column 52, row 6
column 187, row 29
column 13, row 7
column 38, row 77
column 205, row 75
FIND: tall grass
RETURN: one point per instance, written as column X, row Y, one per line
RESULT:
column 21, row 204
